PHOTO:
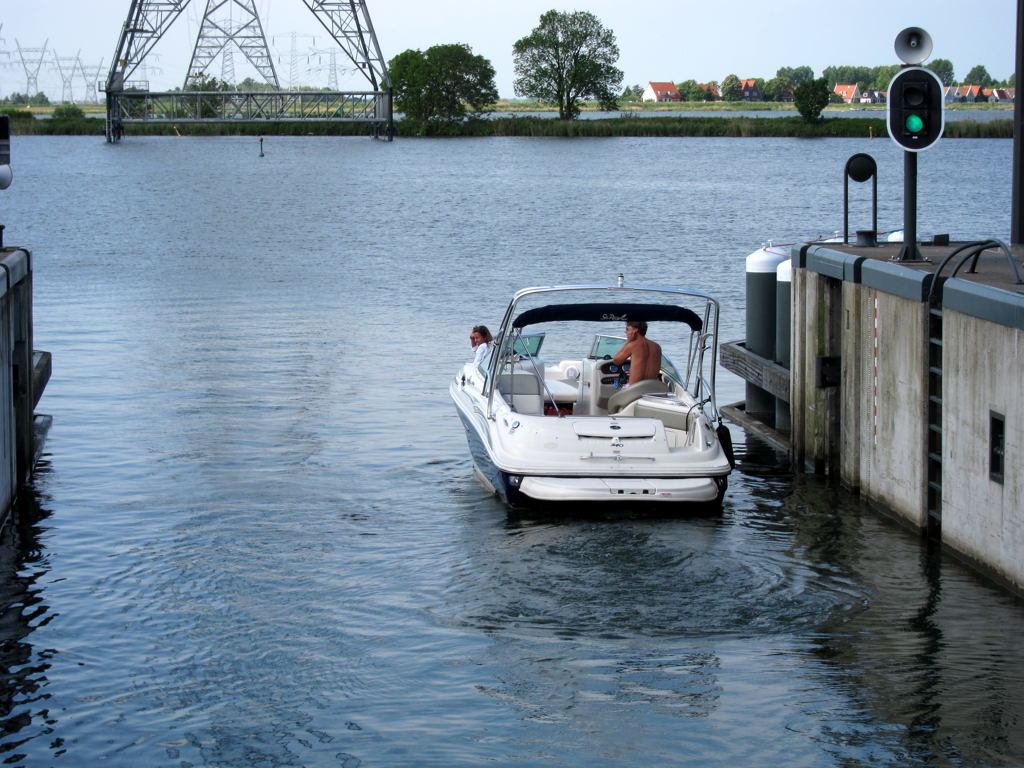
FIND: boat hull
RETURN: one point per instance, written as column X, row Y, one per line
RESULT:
column 519, row 490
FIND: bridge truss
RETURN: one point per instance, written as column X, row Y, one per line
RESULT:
column 347, row 21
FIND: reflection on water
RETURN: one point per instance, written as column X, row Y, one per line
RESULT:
column 256, row 538
column 23, row 668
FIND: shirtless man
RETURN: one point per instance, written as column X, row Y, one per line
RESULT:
column 643, row 354
column 644, row 358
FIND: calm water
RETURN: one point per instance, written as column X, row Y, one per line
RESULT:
column 255, row 539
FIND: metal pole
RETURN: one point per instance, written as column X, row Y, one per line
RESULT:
column 909, row 250
column 846, row 202
column 1016, row 215
column 874, row 201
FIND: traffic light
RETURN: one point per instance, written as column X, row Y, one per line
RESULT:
column 915, row 108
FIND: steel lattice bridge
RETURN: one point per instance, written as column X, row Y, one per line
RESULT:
column 347, row 21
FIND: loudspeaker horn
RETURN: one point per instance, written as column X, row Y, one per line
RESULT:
column 913, row 45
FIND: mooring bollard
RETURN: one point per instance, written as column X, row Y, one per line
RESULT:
column 783, row 330
column 761, row 300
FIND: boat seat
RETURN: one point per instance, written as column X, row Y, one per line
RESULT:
column 522, row 391
column 563, row 390
column 672, row 414
column 624, row 397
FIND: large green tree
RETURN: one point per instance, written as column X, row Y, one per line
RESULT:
column 812, row 97
column 943, row 68
column 884, row 76
column 439, row 83
column 777, row 89
column 978, row 76
column 633, row 93
column 566, row 58
column 848, row 75
column 731, row 89
column 795, row 75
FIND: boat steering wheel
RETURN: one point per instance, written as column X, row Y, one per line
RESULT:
column 622, row 373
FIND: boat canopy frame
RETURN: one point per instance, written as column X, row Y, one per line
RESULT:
column 703, row 336
column 608, row 312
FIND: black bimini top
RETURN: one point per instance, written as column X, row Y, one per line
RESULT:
column 610, row 312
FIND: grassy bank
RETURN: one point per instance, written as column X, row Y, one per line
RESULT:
column 24, row 123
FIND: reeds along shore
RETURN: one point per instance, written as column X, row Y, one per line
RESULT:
column 512, row 125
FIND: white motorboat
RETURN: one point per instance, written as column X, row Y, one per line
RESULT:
column 539, row 426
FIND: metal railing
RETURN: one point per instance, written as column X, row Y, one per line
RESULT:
column 228, row 106
column 125, row 107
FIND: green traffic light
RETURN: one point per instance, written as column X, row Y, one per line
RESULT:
column 914, row 123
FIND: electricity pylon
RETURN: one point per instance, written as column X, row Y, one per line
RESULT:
column 31, row 61
column 91, row 76
column 67, row 67
column 349, row 24
column 146, row 23
column 347, row 21
column 220, row 33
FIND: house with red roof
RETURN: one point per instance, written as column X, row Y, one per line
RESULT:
column 848, row 93
column 751, row 91
column 661, row 92
column 971, row 93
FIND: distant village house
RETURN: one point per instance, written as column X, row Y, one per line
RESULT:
column 971, row 94
column 661, row 92
column 751, row 91
column 850, row 94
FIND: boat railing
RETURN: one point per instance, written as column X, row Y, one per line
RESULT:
column 538, row 371
column 705, row 395
column 512, row 357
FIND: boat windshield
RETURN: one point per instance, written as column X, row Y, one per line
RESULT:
column 608, row 345
column 528, row 344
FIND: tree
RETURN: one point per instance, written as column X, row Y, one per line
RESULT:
column 811, row 98
column 39, row 99
column 438, row 83
column 795, row 76
column 777, row 89
column 566, row 58
column 943, row 68
column 848, row 75
column 209, row 106
column 731, row 89
column 884, row 76
column 207, row 82
column 978, row 76
column 633, row 93
column 67, row 112
column 250, row 85
column 691, row 90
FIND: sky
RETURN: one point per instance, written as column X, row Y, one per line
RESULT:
column 658, row 40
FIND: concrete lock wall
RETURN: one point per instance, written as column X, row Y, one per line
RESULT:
column 982, row 517
column 878, row 382
column 8, row 430
column 883, row 416
column 21, row 379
